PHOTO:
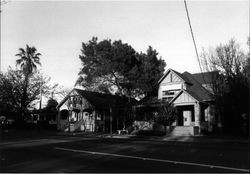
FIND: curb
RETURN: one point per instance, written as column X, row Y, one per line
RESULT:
column 165, row 139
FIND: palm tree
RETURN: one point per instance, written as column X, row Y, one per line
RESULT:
column 28, row 61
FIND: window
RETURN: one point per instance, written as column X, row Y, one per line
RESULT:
column 168, row 92
column 167, row 98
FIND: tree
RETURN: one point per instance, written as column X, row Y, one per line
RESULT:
column 231, row 88
column 12, row 84
column 2, row 2
column 166, row 114
column 61, row 92
column 115, row 67
column 28, row 61
column 51, row 104
column 50, row 110
column 151, row 70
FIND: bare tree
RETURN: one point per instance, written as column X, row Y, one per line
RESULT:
column 3, row 2
column 230, row 87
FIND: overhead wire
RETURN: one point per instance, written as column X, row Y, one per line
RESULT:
column 192, row 34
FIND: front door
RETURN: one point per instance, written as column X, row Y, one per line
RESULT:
column 187, row 118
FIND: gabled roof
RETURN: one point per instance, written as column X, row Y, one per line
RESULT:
column 196, row 89
column 63, row 100
column 195, row 81
column 206, row 77
column 101, row 100
column 183, row 78
column 183, row 91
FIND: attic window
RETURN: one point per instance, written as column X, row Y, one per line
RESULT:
column 169, row 92
column 171, row 77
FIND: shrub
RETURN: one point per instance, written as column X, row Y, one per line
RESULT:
column 150, row 133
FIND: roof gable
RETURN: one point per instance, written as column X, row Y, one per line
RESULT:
column 64, row 100
column 99, row 99
column 172, row 76
column 183, row 97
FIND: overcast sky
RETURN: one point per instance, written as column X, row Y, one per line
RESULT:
column 57, row 29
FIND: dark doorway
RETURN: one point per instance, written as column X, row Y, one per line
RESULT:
column 64, row 114
column 180, row 110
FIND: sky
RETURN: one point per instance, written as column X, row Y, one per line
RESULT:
column 58, row 28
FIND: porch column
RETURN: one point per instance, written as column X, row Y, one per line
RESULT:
column 94, row 120
column 197, row 114
column 117, row 123
column 70, row 114
column 58, row 116
column 104, row 124
column 111, row 119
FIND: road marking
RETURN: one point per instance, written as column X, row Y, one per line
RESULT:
column 153, row 159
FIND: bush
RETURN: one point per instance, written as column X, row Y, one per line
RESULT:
column 150, row 133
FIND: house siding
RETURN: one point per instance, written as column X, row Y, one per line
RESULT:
column 82, row 119
column 174, row 83
column 184, row 98
column 171, row 78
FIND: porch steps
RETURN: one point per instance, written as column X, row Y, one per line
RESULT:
column 73, row 126
column 184, row 130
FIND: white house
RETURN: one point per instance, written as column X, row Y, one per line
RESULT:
column 88, row 111
column 192, row 95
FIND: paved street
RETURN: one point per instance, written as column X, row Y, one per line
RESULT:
column 91, row 154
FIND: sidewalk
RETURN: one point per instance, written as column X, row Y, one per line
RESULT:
column 191, row 139
column 33, row 134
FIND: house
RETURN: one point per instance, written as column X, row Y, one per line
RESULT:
column 192, row 95
column 88, row 111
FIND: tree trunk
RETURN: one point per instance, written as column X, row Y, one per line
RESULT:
column 24, row 97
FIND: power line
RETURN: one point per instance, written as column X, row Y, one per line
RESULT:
column 195, row 47
column 189, row 22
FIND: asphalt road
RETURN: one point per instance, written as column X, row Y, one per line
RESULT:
column 106, row 155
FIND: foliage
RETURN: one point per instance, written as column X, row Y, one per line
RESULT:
column 28, row 59
column 50, row 110
column 166, row 114
column 150, row 70
column 115, row 67
column 51, row 105
column 149, row 133
column 157, row 113
column 2, row 2
column 231, row 88
column 12, row 86
column 61, row 92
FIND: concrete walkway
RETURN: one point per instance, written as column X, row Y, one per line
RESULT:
column 195, row 139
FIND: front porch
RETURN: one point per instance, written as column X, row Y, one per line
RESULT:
column 192, row 117
column 183, row 130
